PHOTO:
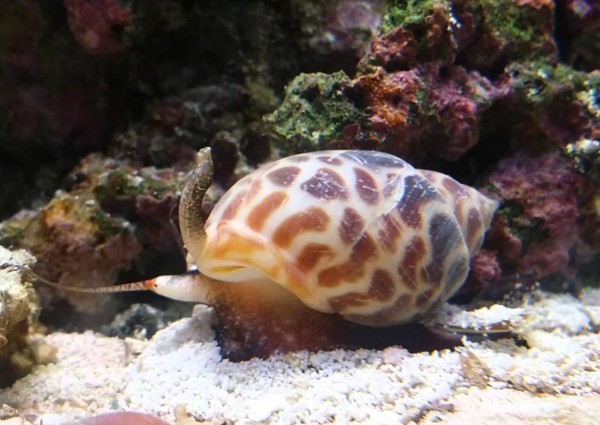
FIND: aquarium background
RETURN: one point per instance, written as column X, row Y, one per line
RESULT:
column 104, row 104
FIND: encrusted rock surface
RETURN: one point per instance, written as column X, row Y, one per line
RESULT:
column 18, row 311
column 97, row 228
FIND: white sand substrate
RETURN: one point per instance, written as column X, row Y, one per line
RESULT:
column 553, row 379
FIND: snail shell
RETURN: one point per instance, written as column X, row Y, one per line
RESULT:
column 359, row 233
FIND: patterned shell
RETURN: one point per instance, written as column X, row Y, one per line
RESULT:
column 360, row 233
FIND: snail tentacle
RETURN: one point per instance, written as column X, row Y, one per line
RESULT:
column 142, row 285
column 188, row 287
column 191, row 224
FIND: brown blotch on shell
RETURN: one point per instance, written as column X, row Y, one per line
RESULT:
column 261, row 212
column 410, row 263
column 284, row 176
column 389, row 233
column 313, row 219
column 417, row 193
column 424, row 298
column 365, row 249
column 381, row 288
column 326, row 184
column 366, row 186
column 311, row 254
column 404, row 301
column 445, row 236
column 351, row 226
column 339, row 274
column 382, row 285
column 233, row 207
column 452, row 186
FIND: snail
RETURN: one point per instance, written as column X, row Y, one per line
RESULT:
column 331, row 236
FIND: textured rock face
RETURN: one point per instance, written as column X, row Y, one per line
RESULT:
column 581, row 20
column 15, row 299
column 18, row 307
column 97, row 228
column 543, row 198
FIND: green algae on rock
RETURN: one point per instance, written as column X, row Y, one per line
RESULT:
column 555, row 104
column 486, row 34
column 426, row 27
column 315, row 111
column 514, row 30
column 408, row 113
